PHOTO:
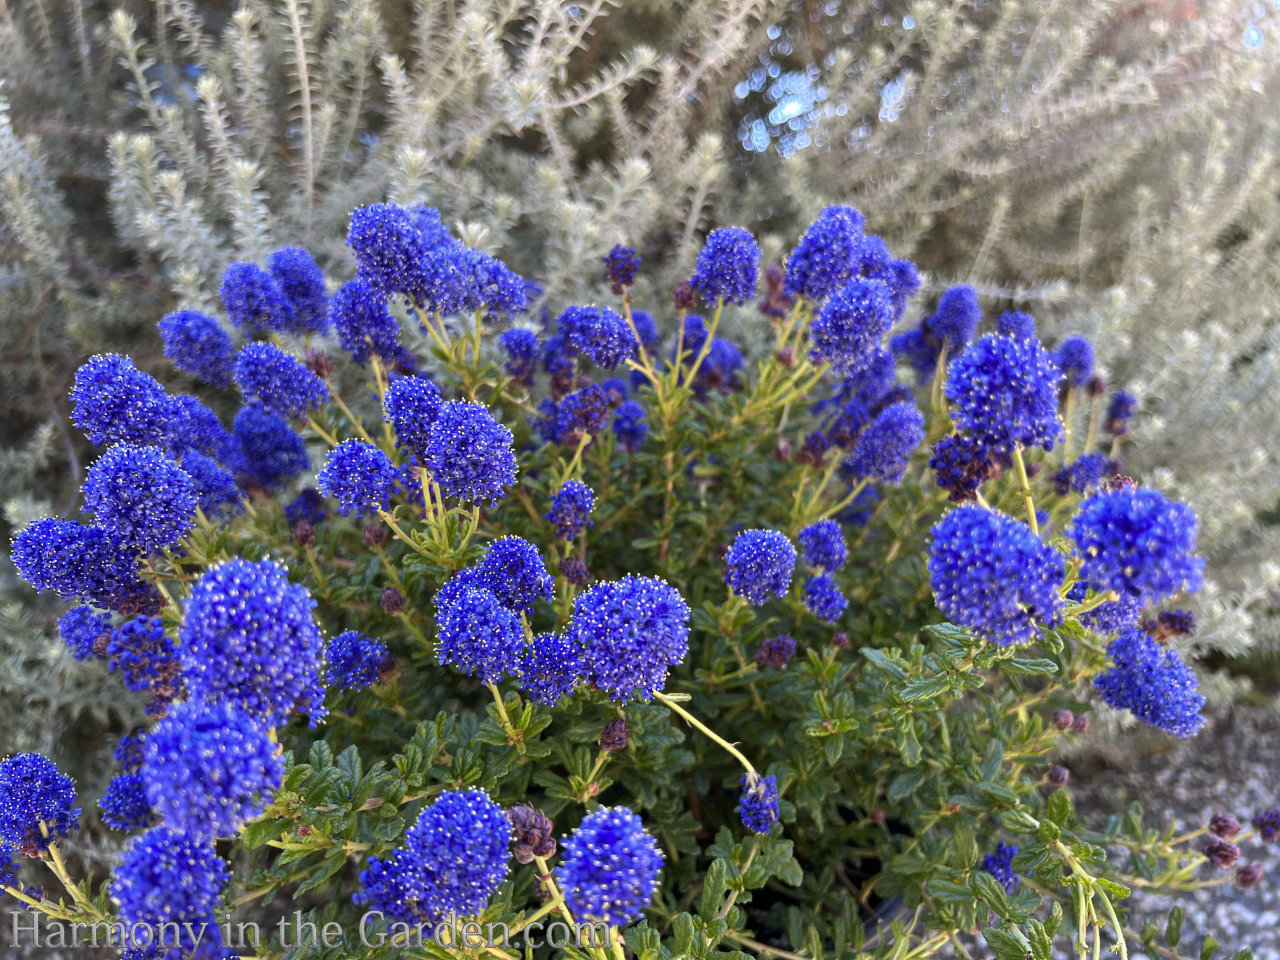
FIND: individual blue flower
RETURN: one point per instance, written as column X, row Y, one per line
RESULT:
column 216, row 490
column 196, row 344
column 521, row 347
column 823, row 545
column 828, row 255
column 354, row 661
column 453, row 859
column 115, row 402
column 32, row 792
column 124, row 804
column 955, row 320
column 79, row 562
column 571, row 507
column 582, row 413
column 1119, row 412
column 144, row 654
column 411, row 405
column 303, row 284
column 609, row 871
column 992, row 574
column 1016, row 324
column 194, row 427
column 882, row 450
column 823, row 598
column 630, row 426
column 263, row 451
column 140, row 497
column 144, row 888
column 759, row 565
column 550, row 668
column 727, row 267
column 1153, row 683
column 359, row 476
column 514, row 570
column 209, row 768
column 277, row 382
column 758, row 807
column 852, row 325
column 1000, row 866
column 364, row 324
column 1136, row 542
column 85, row 632
column 254, row 300
column 599, row 334
column 1005, row 393
column 469, row 453
column 1074, row 358
column 248, row 637
column 631, row 632
column 620, row 265
column 480, row 636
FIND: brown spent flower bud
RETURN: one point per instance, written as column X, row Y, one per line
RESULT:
column 1097, row 386
column 531, row 833
column 304, row 533
column 684, row 297
column 318, row 362
column 1221, row 853
column 374, row 534
column 782, row 450
column 840, row 640
column 392, row 601
column 1224, row 825
column 1059, row 775
column 615, row 735
column 1249, row 876
column 1080, row 725
column 787, row 357
column 878, row 817
column 1062, row 719
column 1033, row 470
column 574, row 570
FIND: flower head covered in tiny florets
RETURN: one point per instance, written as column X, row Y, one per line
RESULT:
column 140, row 497
column 1153, row 683
column 144, row 889
column 354, row 661
column 1267, row 823
column 1005, row 393
column 824, row 546
column 81, row 563
column 113, row 401
column 522, row 348
column 571, row 507
column 582, row 413
column 124, row 804
column 1000, row 866
column 631, row 632
column 254, row 300
column 1119, row 412
column 759, row 804
column 962, row 465
column 1083, row 475
column 851, row 326
column 194, row 428
column 514, row 570
column 411, row 406
column 599, row 334
column 550, row 668
column 955, row 320
column 276, row 381
column 302, row 282
column 823, row 598
column 85, row 631
column 390, row 249
column 144, row 654
column 776, row 651
column 128, row 752
column 248, row 636
column 364, row 324
column 609, row 869
column 1016, row 324
column 1109, row 617
column 620, row 265
column 630, row 426
column 469, row 453
column 359, row 476
column 34, row 792
column 263, row 451
column 196, row 344
column 215, row 489
column 992, row 574
column 1074, row 358
column 882, row 449
column 828, row 255
column 480, row 636
column 759, row 565
column 727, row 266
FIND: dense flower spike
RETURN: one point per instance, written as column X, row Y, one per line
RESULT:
column 823, row 598
column 144, row 884
column 727, row 266
column 480, row 636
column 389, row 249
column 194, row 428
column 776, row 651
column 411, row 406
column 248, row 637
column 1138, row 543
column 303, row 284
column 631, row 631
column 85, row 631
column 1005, row 393
column 955, row 320
column 254, row 300
column 1016, row 324
column 610, row 865
column 128, row 752
column 144, row 654
column 582, row 413
column 197, row 344
column 354, row 661
column 263, row 451
column 550, row 668
column 363, row 322
column 469, row 453
column 140, row 497
column 599, row 334
column 453, row 859
column 215, row 489
column 1119, row 412
column 1085, row 474
column 209, row 768
column 884, row 447
column 1000, row 866
column 514, row 570
column 630, row 426
column 823, row 545
column 962, row 465
column 78, row 562
column 990, row 573
column 759, row 565
column 32, row 792
column 276, row 381
column 1153, row 683
column 851, row 326
column 759, row 804
column 828, row 255
column 522, row 349
column 1074, row 358
column 359, row 476
column 115, row 402
column 621, row 264
column 1267, row 823
column 571, row 509
column 124, row 805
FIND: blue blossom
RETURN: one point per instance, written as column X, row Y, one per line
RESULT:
column 1074, row 358
column 759, row 565
column 263, row 451
column 903, row 280
column 215, row 488
column 194, row 427
column 514, row 570
column 727, row 267
column 276, row 381
column 991, row 574
column 85, row 632
column 882, row 450
column 411, row 406
column 303, row 284
column 1005, row 393
column 1137, row 543
column 254, row 300
column 852, row 325
column 962, row 465
column 1109, row 617
column 759, row 804
column 914, row 347
column 550, row 668
column 359, row 476
column 113, row 401
column 144, row 654
column 1000, row 866
column 140, row 497
column 1119, row 412
column 469, row 453
column 196, row 344
column 561, row 362
column 453, row 859
column 489, row 285
column 1153, row 683
column 583, row 412
column 248, row 636
column 390, row 249
column 1086, row 473
column 692, row 337
column 144, row 887
column 598, row 333
column 630, row 426
column 720, row 366
column 609, row 870
column 1016, row 324
column 33, row 791
column 955, row 320
column 646, row 329
column 79, row 562
column 823, row 598
column 308, row 505
column 621, row 264
column 124, row 804
column 452, row 590
column 824, row 546
column 129, row 751
column 480, row 636
column 364, row 324
column 828, row 255
column 209, row 768
column 571, row 509
column 354, row 661
column 631, row 632
column 521, row 347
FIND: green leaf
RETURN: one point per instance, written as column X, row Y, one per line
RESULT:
column 1117, row 890
column 996, row 791
column 1059, row 807
column 925, row 688
column 1041, row 941
column 908, row 744
column 906, row 783
column 714, row 886
column 1007, row 942
column 1173, row 929
column 327, row 869
column 987, row 888
column 1040, row 667
column 1208, row 948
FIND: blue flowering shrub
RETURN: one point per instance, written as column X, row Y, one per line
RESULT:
column 474, row 606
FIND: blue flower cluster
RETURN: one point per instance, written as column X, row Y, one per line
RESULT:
column 360, row 477
column 124, row 805
column 1005, row 393
column 599, row 334
column 1153, row 683
column 851, row 326
column 263, row 451
column 727, row 267
column 254, row 300
column 759, row 565
column 823, row 545
column 411, row 406
column 85, row 631
column 363, row 322
column 469, row 453
column 81, row 563
column 514, row 570
column 34, row 793
column 610, row 868
column 551, row 666
column 570, row 511
column 479, row 635
column 1000, row 866
column 823, row 598
column 883, row 448
column 115, row 402
column 354, row 661
column 302, row 283
column 195, row 343
column 140, row 497
column 274, row 379
column 759, row 804
column 143, row 886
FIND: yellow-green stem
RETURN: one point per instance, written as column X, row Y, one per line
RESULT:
column 1025, row 490
column 711, row 734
